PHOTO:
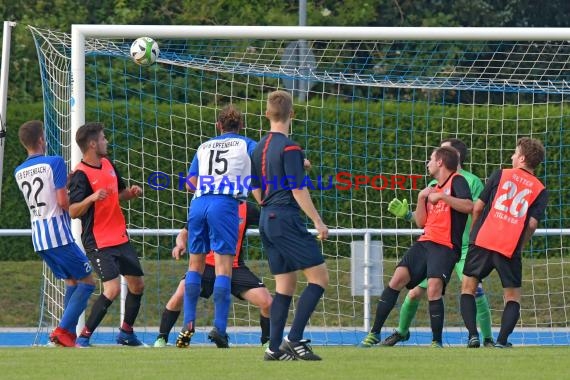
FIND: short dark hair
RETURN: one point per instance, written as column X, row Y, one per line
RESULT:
column 30, row 133
column 87, row 133
column 532, row 150
column 449, row 157
column 230, row 119
column 459, row 146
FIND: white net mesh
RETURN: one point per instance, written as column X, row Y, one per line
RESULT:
column 364, row 108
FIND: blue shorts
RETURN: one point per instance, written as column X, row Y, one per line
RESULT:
column 67, row 262
column 286, row 241
column 213, row 224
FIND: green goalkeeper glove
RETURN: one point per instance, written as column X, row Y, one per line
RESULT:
column 400, row 208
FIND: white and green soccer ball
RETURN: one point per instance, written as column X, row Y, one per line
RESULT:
column 144, row 51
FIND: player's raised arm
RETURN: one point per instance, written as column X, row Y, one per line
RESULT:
column 257, row 195
column 421, row 211
column 476, row 213
column 192, row 178
column 460, row 198
column 82, row 198
column 181, row 241
column 130, row 193
column 400, row 209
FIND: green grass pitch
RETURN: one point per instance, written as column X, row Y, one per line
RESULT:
column 247, row 363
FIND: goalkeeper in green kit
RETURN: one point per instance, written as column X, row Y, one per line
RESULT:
column 411, row 303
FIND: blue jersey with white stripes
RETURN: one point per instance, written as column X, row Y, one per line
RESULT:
column 223, row 166
column 39, row 177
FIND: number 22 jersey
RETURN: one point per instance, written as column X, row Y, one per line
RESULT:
column 39, row 178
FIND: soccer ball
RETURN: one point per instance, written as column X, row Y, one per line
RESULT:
column 144, row 51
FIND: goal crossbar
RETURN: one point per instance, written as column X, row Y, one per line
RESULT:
column 320, row 32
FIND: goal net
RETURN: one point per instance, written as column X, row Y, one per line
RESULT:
column 370, row 106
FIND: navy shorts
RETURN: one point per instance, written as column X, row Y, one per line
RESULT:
column 480, row 262
column 67, row 262
column 287, row 242
column 243, row 279
column 426, row 259
column 110, row 262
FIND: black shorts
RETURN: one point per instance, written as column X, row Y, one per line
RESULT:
column 426, row 259
column 287, row 242
column 480, row 262
column 110, row 262
column 243, row 279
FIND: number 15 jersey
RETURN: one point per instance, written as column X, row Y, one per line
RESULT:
column 511, row 197
column 39, row 177
column 223, row 166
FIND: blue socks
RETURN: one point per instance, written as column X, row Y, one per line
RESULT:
column 75, row 306
column 222, row 301
column 69, row 290
column 192, row 285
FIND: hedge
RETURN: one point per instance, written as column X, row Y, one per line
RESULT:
column 368, row 138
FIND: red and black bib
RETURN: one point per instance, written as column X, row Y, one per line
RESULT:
column 504, row 224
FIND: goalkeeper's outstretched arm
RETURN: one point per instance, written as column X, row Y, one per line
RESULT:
column 401, row 209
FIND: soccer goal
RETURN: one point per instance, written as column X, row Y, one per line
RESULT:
column 370, row 105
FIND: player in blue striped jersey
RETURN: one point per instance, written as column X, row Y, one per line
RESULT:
column 216, row 176
column 42, row 180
